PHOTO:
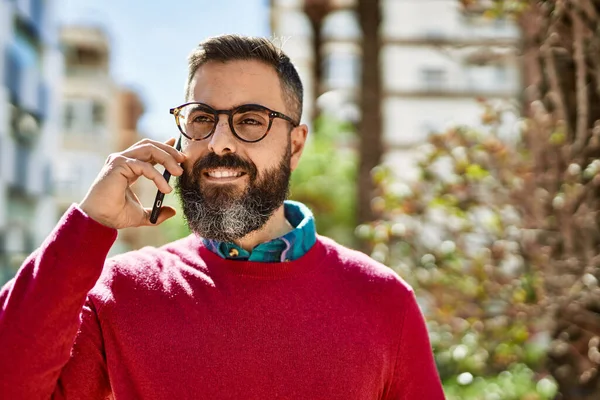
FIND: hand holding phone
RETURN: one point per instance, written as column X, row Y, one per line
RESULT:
column 111, row 201
column 160, row 196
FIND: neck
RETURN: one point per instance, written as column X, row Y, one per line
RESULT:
column 275, row 227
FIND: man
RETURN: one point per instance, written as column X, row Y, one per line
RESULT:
column 253, row 305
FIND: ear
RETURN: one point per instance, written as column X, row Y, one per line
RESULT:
column 298, row 139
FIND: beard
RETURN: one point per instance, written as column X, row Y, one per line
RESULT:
column 225, row 213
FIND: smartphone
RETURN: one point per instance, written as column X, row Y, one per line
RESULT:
column 160, row 196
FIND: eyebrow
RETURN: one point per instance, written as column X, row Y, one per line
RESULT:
column 236, row 105
column 200, row 106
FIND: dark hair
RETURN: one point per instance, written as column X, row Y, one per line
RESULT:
column 236, row 47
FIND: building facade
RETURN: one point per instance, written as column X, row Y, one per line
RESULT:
column 30, row 67
column 88, row 94
column 130, row 110
column 98, row 118
column 436, row 61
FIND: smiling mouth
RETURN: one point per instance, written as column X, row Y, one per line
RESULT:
column 223, row 174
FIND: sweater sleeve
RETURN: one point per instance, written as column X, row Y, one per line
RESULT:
column 415, row 375
column 44, row 309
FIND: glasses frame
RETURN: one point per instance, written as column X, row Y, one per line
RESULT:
column 272, row 115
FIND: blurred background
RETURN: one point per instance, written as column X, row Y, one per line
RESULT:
column 456, row 141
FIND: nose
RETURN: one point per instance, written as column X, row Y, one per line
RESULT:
column 222, row 140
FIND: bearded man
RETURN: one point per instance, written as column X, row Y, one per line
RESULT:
column 252, row 305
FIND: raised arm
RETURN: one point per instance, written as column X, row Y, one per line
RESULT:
column 50, row 342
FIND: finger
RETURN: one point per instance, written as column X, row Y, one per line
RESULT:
column 141, row 168
column 153, row 154
column 167, row 147
column 166, row 212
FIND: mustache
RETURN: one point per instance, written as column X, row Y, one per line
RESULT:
column 229, row 160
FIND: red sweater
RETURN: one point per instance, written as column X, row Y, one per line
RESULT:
column 180, row 322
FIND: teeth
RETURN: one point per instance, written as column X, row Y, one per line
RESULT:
column 224, row 174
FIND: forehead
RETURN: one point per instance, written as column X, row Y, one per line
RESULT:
column 225, row 85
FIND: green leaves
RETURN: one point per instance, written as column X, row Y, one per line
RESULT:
column 517, row 383
column 495, row 9
column 455, row 234
column 326, row 179
column 475, row 172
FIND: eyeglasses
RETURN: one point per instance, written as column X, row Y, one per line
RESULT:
column 249, row 123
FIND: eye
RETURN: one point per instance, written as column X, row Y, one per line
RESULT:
column 250, row 121
column 251, row 118
column 201, row 118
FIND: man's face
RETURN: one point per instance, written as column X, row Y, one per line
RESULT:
column 231, row 188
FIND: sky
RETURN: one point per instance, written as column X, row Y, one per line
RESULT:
column 151, row 41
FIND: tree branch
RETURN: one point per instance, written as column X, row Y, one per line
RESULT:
column 582, row 107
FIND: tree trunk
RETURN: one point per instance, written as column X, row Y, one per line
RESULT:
column 370, row 126
column 317, row 43
column 316, row 11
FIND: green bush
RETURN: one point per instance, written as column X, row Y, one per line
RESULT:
column 517, row 383
column 326, row 179
column 457, row 235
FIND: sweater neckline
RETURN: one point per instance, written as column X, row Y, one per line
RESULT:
column 266, row 270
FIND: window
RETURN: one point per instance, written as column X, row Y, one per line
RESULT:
column 69, row 117
column 501, row 74
column 433, row 78
column 342, row 70
column 434, row 34
column 12, row 72
column 47, row 180
column 22, row 67
column 37, row 13
column 84, row 61
column 341, row 24
column 82, row 56
column 67, row 177
column 22, row 163
column 489, row 77
column 98, row 113
column 501, row 23
column 44, row 99
column 80, row 116
column 87, row 56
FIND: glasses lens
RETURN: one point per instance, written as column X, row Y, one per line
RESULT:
column 251, row 122
column 196, row 121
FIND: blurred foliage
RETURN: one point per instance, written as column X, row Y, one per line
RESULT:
column 326, row 178
column 325, row 181
column 517, row 383
column 502, row 243
column 496, row 8
column 455, row 234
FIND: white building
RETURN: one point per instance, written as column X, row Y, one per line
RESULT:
column 98, row 118
column 436, row 60
column 88, row 113
column 30, row 67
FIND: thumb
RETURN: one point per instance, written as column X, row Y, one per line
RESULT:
column 165, row 213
